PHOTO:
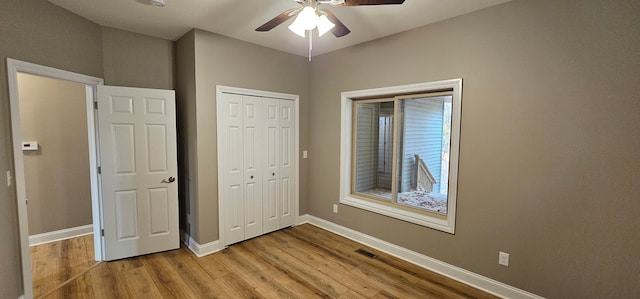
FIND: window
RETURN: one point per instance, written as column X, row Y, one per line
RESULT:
column 399, row 151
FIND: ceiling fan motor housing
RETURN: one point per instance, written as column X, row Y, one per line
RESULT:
column 158, row 2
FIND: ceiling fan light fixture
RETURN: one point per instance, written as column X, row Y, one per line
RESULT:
column 307, row 19
column 324, row 25
column 297, row 29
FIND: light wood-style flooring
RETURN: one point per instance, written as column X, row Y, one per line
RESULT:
column 298, row 262
column 54, row 263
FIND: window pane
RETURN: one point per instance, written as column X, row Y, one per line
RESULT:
column 374, row 149
column 423, row 152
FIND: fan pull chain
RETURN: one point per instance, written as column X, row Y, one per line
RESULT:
column 310, row 43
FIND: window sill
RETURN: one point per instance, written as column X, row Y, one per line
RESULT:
column 439, row 223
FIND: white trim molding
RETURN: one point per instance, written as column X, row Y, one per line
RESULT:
column 60, row 235
column 198, row 249
column 475, row 280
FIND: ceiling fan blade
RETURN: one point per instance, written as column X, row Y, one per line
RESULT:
column 369, row 2
column 340, row 29
column 281, row 18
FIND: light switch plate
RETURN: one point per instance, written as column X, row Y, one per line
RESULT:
column 9, row 178
column 503, row 259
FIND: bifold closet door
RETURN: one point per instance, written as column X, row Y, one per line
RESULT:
column 241, row 164
column 271, row 192
column 252, row 166
column 286, row 161
column 279, row 183
column 257, row 170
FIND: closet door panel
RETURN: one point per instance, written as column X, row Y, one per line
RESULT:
column 286, row 163
column 271, row 163
column 232, row 164
column 252, row 123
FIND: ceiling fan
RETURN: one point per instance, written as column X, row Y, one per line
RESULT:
column 310, row 16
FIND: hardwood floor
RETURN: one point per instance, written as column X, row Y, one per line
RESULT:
column 299, row 262
column 54, row 263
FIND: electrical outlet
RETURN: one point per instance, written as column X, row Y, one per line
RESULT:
column 9, row 178
column 503, row 259
column 335, row 208
column 305, row 154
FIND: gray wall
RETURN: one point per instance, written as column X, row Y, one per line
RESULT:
column 186, row 126
column 137, row 60
column 549, row 143
column 219, row 60
column 54, row 113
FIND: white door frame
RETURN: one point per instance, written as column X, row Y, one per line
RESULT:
column 220, row 89
column 13, row 68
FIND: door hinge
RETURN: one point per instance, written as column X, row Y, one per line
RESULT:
column 95, row 105
column 99, row 170
column 102, row 232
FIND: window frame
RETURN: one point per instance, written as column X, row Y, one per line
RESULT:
column 354, row 153
column 436, row 221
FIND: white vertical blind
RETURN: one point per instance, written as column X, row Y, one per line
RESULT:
column 366, row 146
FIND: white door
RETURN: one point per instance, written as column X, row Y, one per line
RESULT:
column 138, row 160
column 231, row 168
column 241, row 176
column 252, row 124
column 271, row 173
column 286, row 161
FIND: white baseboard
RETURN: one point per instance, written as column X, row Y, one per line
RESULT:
column 60, row 235
column 478, row 281
column 198, row 249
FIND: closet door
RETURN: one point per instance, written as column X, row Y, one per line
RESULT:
column 252, row 125
column 287, row 179
column 257, row 170
column 231, row 166
column 271, row 123
column 242, row 163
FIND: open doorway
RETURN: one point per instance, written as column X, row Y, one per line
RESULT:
column 53, row 119
column 51, row 222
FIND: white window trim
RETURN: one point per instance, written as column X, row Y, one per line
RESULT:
column 444, row 224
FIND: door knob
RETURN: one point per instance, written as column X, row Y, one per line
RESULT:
column 273, row 174
column 172, row 179
column 251, row 176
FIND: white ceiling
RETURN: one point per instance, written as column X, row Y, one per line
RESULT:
column 239, row 18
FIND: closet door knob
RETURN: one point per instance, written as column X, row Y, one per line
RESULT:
column 251, row 176
column 273, row 174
